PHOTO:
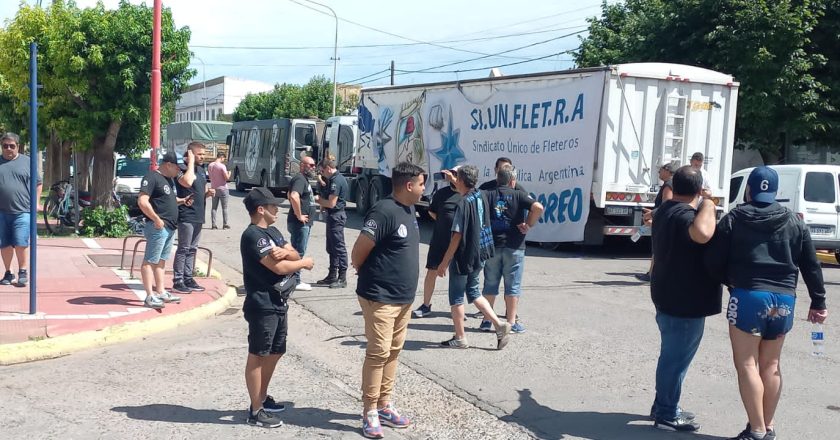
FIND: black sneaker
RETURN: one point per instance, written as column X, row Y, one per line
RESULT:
column 680, row 423
column 643, row 277
column 746, row 434
column 338, row 284
column 180, row 287
column 264, row 419
column 688, row 415
column 271, row 406
column 8, row 279
column 192, row 285
column 23, row 278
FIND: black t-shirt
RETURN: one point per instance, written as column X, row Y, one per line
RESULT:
column 300, row 184
column 337, row 184
column 507, row 210
column 195, row 213
column 161, row 191
column 658, row 201
column 389, row 274
column 679, row 284
column 444, row 203
column 490, row 185
column 259, row 280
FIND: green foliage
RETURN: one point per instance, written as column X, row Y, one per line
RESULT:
column 291, row 101
column 776, row 49
column 102, row 222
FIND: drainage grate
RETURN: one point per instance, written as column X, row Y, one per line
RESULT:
column 230, row 311
column 111, row 260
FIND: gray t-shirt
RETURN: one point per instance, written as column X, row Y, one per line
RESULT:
column 14, row 184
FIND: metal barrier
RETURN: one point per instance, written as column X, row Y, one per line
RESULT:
column 122, row 254
column 143, row 240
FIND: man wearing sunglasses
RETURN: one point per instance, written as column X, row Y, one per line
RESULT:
column 14, row 208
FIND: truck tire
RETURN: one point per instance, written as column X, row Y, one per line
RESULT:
column 237, row 181
column 362, row 196
column 376, row 192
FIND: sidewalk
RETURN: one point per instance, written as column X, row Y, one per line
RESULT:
column 82, row 290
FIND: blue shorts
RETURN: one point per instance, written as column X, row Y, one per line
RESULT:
column 14, row 229
column 761, row 313
column 158, row 243
column 460, row 285
column 507, row 264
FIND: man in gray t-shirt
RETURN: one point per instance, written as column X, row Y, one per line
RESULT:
column 15, row 208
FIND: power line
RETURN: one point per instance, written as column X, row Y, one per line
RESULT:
column 406, row 72
column 366, row 76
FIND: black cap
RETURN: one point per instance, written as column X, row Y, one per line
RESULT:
column 173, row 157
column 260, row 196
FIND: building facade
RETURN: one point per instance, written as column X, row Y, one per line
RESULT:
column 215, row 99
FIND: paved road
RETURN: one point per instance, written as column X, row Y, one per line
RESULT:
column 583, row 370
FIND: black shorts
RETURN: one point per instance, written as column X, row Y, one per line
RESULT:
column 267, row 331
column 435, row 255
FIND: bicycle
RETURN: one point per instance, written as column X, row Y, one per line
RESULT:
column 60, row 207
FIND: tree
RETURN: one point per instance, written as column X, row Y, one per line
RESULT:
column 765, row 44
column 95, row 67
column 290, row 101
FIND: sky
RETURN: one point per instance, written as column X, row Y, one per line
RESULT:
column 290, row 41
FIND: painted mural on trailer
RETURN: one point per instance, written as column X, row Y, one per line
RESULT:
column 549, row 131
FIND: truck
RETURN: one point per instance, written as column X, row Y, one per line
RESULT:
column 268, row 152
column 213, row 134
column 586, row 143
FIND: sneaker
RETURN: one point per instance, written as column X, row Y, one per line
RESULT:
column 264, row 419
column 192, row 285
column 486, row 326
column 688, row 415
column 23, row 279
column 370, row 425
column 303, row 287
column 503, row 335
column 8, row 279
column 389, row 416
column 455, row 343
column 180, row 287
column 169, row 298
column 747, row 434
column 517, row 328
column 226, row 227
column 271, row 406
column 679, row 423
column 153, row 302
column 214, row 227
column 422, row 311
column 643, row 277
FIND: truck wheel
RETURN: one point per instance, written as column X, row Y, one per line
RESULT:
column 362, row 196
column 376, row 192
column 237, row 181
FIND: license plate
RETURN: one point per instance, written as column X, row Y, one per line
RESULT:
column 821, row 230
column 617, row 210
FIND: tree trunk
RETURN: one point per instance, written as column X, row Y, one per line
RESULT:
column 83, row 163
column 57, row 166
column 103, row 166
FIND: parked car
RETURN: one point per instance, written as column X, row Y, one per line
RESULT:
column 811, row 191
column 128, row 174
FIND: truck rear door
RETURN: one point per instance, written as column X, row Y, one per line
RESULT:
column 821, row 204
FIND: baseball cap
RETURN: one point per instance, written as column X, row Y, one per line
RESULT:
column 260, row 196
column 173, row 157
column 763, row 183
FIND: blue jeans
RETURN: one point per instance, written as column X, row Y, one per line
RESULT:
column 158, row 243
column 463, row 284
column 508, row 264
column 299, row 238
column 14, row 229
column 680, row 340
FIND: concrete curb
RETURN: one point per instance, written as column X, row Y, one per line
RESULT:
column 63, row 345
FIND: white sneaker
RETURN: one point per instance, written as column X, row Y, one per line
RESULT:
column 304, row 287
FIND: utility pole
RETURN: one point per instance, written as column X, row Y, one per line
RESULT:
column 392, row 72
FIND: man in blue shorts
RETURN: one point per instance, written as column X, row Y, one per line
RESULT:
column 15, row 208
column 759, row 248
column 159, row 204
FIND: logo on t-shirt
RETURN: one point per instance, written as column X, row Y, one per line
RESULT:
column 370, row 224
column 402, row 231
column 167, row 189
column 262, row 242
column 145, row 183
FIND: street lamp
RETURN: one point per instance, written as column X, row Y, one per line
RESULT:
column 203, row 83
column 335, row 50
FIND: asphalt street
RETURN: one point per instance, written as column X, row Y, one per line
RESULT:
column 584, row 369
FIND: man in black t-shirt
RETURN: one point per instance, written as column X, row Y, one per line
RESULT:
column 333, row 200
column 387, row 258
column 159, row 203
column 683, row 293
column 301, row 210
column 194, row 189
column 490, row 185
column 509, row 224
column 442, row 210
column 268, row 267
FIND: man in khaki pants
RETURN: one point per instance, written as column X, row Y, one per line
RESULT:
column 387, row 258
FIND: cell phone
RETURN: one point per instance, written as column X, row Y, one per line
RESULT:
column 438, row 176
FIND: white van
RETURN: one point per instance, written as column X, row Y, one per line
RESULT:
column 811, row 191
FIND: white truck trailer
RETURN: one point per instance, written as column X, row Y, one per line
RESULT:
column 587, row 143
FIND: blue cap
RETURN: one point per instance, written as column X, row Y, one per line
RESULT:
column 764, row 184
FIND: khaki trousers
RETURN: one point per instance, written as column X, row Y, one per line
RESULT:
column 385, row 328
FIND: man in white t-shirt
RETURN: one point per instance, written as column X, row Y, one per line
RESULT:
column 697, row 161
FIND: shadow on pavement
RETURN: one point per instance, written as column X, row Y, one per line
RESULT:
column 550, row 424
column 302, row 417
column 90, row 300
column 614, row 283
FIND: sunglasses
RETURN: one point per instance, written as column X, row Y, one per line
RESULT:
column 9, row 146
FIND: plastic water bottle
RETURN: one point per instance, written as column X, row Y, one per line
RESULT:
column 818, row 340
column 643, row 230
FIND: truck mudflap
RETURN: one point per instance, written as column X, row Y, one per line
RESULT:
column 626, row 230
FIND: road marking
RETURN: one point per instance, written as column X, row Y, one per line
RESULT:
column 132, row 283
column 91, row 243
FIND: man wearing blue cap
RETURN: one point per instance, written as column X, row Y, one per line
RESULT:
column 757, row 251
